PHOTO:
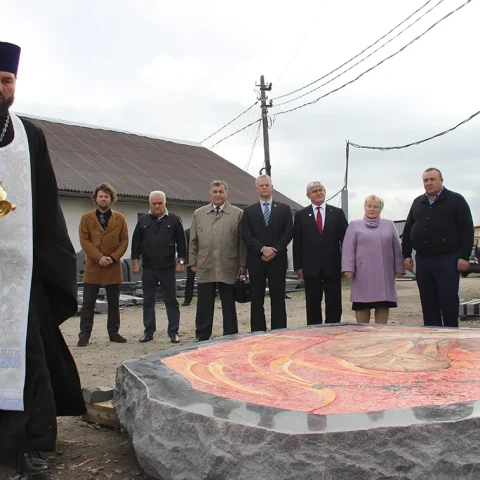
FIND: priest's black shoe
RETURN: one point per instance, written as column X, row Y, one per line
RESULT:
column 146, row 338
column 175, row 338
column 30, row 463
column 37, row 455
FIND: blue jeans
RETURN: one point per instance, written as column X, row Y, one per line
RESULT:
column 151, row 277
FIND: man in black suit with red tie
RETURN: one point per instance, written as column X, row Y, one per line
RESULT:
column 267, row 229
column 318, row 234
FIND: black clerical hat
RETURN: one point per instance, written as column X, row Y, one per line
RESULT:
column 9, row 57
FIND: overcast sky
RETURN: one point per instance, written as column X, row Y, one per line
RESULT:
column 183, row 70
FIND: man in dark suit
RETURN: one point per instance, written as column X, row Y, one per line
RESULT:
column 190, row 282
column 318, row 234
column 267, row 229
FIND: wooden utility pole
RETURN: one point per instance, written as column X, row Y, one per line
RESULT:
column 265, row 106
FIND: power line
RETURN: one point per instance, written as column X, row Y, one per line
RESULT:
column 253, row 148
column 292, row 57
column 356, row 145
column 230, row 122
column 298, row 49
column 248, row 134
column 333, row 196
column 356, row 56
column 234, row 133
column 376, row 65
column 362, row 60
column 347, row 83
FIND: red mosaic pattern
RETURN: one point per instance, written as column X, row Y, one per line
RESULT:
column 344, row 369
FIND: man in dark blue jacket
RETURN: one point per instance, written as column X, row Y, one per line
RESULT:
column 439, row 228
column 157, row 239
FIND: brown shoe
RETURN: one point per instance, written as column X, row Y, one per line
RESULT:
column 82, row 341
column 117, row 338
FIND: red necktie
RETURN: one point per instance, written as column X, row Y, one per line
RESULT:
column 319, row 220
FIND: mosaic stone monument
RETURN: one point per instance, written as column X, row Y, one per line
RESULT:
column 327, row 402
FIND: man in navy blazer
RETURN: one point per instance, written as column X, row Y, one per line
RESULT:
column 267, row 229
column 318, row 234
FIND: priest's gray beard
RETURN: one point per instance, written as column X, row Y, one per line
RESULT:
column 5, row 104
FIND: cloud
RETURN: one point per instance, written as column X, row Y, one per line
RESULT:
column 167, row 74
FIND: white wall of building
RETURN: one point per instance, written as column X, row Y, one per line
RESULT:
column 74, row 207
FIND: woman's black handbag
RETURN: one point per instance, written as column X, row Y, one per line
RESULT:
column 242, row 289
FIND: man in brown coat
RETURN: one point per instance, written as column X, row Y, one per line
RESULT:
column 217, row 255
column 104, row 239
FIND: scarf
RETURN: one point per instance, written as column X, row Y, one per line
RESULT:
column 372, row 222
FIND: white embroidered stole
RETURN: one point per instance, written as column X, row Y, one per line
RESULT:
column 16, row 263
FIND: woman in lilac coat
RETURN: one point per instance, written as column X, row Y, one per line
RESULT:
column 372, row 258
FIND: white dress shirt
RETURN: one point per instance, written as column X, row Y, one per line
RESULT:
column 323, row 211
column 215, row 207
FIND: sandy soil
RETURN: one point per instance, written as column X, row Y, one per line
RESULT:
column 89, row 451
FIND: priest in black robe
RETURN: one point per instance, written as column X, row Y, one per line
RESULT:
column 51, row 382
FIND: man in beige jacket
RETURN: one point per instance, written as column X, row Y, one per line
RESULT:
column 217, row 255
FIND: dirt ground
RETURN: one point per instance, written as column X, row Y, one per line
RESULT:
column 91, row 452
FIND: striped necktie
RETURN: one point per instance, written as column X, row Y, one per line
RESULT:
column 266, row 213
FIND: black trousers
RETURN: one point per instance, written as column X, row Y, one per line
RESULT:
column 314, row 288
column 189, row 285
column 438, row 280
column 151, row 277
column 276, row 286
column 206, row 309
column 90, row 292
column 36, row 427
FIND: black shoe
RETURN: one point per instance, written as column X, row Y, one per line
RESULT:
column 82, row 341
column 175, row 338
column 198, row 339
column 38, row 458
column 30, row 463
column 117, row 338
column 185, row 304
column 146, row 338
